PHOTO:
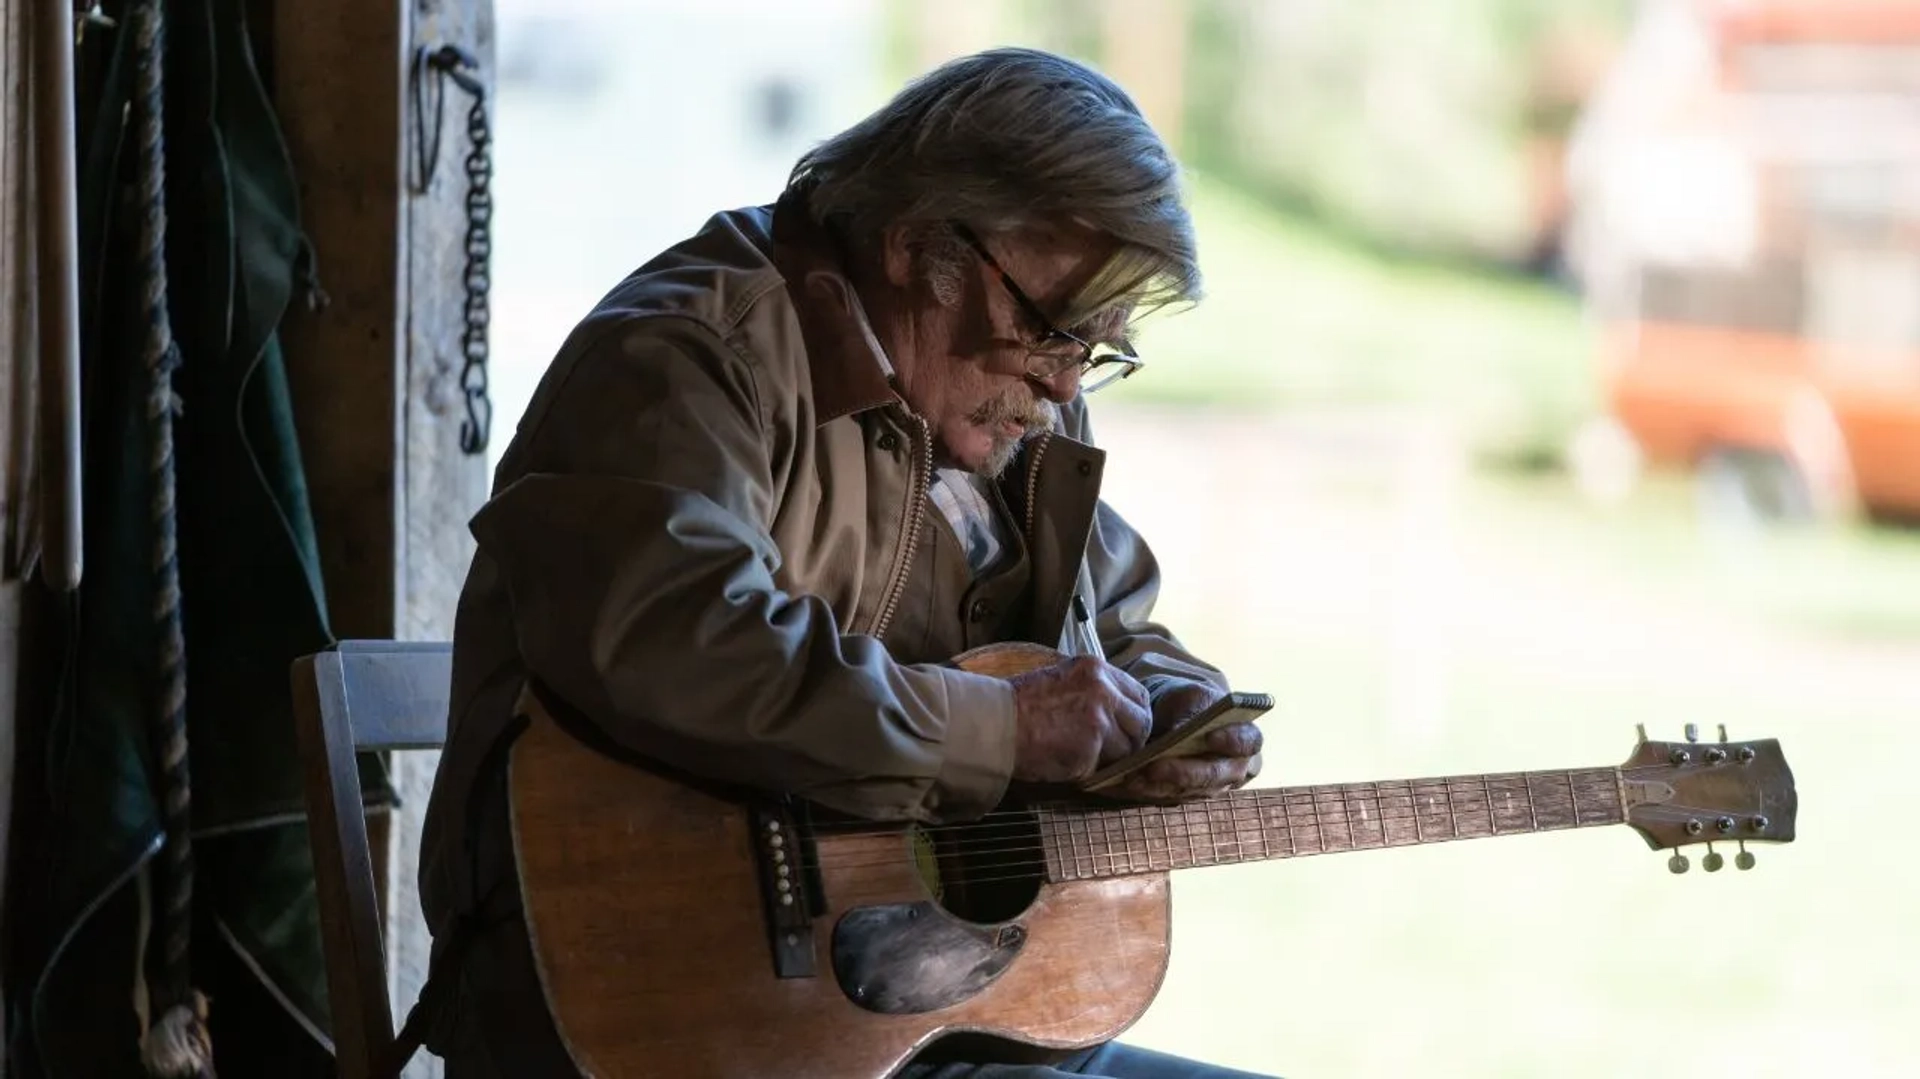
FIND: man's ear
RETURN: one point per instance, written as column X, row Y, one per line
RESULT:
column 899, row 244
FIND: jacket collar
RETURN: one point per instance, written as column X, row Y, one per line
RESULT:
column 848, row 368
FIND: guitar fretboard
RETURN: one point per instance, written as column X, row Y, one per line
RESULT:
column 1255, row 825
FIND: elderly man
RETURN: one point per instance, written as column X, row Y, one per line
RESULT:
column 790, row 467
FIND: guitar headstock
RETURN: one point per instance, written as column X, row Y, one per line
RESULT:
column 1677, row 794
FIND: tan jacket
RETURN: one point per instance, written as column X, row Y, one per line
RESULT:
column 703, row 527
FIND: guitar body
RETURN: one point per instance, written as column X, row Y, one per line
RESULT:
column 647, row 902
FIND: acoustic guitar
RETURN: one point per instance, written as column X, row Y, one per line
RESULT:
column 682, row 929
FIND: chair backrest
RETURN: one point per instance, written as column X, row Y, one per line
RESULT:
column 360, row 696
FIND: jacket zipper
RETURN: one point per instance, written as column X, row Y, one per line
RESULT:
column 1076, row 628
column 916, row 507
column 1033, row 479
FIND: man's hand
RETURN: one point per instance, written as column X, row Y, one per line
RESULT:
column 1229, row 757
column 1074, row 717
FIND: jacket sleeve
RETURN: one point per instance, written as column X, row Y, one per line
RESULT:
column 639, row 570
column 1124, row 578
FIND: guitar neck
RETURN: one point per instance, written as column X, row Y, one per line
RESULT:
column 1289, row 822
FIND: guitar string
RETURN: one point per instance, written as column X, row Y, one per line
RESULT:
column 1104, row 864
column 1031, row 868
column 1330, row 804
column 1394, row 788
column 1179, row 822
column 1256, row 802
column 1237, row 830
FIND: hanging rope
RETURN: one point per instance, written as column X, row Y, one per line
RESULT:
column 177, row 1044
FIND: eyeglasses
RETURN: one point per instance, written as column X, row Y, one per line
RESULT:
column 1101, row 365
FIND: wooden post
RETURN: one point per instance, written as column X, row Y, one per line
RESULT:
column 376, row 373
column 1144, row 48
column 443, row 484
column 941, row 32
column 339, row 73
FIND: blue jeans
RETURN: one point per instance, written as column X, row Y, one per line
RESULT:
column 1110, row 1061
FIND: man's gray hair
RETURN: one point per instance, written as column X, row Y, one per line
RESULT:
column 1006, row 139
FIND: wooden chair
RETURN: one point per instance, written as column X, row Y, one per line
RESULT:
column 361, row 696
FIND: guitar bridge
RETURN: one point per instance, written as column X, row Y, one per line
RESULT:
column 789, row 887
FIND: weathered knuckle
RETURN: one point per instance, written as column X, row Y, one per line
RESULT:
column 1083, row 668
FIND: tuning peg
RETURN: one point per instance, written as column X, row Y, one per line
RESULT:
column 1677, row 863
column 1642, row 728
column 1693, row 732
column 1723, row 732
column 1712, row 862
column 1745, row 858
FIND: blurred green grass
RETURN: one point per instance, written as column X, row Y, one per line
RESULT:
column 1293, row 316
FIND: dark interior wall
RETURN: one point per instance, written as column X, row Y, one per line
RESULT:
column 372, row 371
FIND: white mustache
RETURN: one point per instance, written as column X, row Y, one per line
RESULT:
column 1036, row 414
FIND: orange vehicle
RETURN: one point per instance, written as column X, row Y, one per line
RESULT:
column 1766, row 330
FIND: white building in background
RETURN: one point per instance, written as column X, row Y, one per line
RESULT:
column 621, row 125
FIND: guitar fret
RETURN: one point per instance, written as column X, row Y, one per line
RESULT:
column 1103, row 848
column 1136, row 849
column 1273, row 818
column 1082, row 835
column 1346, row 814
column 1069, row 853
column 1106, row 844
column 1139, row 853
column 1094, row 828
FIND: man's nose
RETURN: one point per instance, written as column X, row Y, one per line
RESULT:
column 1062, row 385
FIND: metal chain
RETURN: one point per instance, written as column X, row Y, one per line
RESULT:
column 452, row 62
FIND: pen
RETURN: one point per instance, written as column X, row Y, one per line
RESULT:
column 1082, row 619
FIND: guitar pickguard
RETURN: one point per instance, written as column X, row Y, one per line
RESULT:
column 909, row 958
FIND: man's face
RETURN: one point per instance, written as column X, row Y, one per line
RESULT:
column 967, row 372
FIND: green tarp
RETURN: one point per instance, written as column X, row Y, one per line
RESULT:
column 250, row 584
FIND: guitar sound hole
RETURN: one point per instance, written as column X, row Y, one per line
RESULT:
column 988, row 870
